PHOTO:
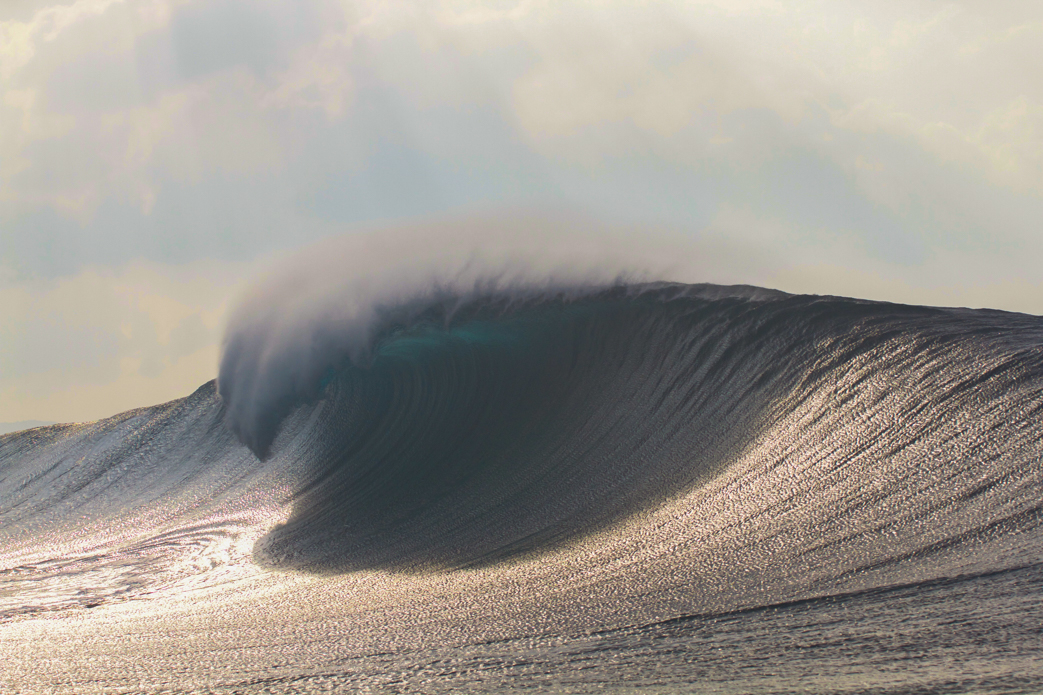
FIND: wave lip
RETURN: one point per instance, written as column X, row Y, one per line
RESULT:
column 327, row 306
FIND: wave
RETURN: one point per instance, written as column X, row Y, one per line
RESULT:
column 577, row 455
column 491, row 426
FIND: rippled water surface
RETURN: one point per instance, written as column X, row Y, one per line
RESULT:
column 656, row 489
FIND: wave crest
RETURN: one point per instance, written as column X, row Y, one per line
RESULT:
column 327, row 306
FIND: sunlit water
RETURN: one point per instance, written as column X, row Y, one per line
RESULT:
column 660, row 491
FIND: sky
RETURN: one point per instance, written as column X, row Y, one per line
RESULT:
column 155, row 155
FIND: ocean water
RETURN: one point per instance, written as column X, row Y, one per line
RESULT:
column 657, row 488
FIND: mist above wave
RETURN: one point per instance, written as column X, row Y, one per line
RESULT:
column 324, row 307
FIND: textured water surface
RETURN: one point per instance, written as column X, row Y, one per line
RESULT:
column 660, row 489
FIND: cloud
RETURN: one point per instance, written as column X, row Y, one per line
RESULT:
column 159, row 114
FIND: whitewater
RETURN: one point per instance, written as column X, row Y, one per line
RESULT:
column 487, row 483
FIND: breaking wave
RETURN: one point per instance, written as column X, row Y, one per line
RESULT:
column 551, row 457
column 469, row 429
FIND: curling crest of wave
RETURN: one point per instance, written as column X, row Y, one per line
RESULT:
column 326, row 307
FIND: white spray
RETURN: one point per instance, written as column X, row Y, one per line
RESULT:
column 320, row 307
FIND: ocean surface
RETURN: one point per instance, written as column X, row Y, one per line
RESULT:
column 651, row 488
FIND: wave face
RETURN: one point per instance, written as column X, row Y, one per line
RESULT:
column 564, row 467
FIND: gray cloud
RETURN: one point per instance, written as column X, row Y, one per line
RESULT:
column 224, row 128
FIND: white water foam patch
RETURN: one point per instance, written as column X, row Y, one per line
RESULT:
column 323, row 307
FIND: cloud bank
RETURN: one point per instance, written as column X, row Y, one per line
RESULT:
column 175, row 129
